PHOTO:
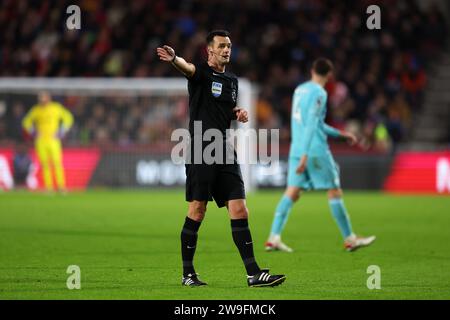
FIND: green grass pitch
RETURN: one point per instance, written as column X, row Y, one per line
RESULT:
column 126, row 244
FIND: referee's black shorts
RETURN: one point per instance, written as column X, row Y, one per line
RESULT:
column 221, row 182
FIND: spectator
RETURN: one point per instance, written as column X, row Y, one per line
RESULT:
column 118, row 40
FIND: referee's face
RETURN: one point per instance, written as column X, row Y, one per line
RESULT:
column 220, row 50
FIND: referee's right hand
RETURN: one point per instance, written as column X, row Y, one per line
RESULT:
column 166, row 53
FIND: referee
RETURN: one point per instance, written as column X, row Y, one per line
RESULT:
column 212, row 101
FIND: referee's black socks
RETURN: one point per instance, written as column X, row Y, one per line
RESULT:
column 243, row 240
column 188, row 244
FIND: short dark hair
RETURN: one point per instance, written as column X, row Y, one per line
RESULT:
column 322, row 66
column 212, row 34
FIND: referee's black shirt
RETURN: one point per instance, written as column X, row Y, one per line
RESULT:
column 212, row 97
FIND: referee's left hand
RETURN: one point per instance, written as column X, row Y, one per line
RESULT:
column 241, row 114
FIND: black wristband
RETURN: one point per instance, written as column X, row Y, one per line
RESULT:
column 174, row 57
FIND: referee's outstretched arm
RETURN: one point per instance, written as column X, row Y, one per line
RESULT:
column 167, row 54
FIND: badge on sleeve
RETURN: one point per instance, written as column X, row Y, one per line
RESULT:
column 319, row 102
column 216, row 89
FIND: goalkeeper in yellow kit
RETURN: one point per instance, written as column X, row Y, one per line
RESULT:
column 48, row 122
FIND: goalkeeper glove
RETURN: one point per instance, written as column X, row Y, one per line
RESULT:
column 61, row 133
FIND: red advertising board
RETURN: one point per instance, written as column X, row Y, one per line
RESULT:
column 420, row 172
column 79, row 166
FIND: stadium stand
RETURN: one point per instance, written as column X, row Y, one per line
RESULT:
column 381, row 74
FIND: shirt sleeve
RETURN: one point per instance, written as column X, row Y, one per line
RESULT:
column 28, row 120
column 198, row 75
column 313, row 119
column 330, row 131
column 66, row 118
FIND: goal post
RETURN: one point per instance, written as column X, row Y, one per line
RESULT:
column 128, row 121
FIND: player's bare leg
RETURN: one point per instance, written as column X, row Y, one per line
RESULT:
column 274, row 243
column 242, row 238
column 339, row 212
column 197, row 210
column 196, row 214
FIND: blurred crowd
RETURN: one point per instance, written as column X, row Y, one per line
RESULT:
column 121, row 119
column 380, row 74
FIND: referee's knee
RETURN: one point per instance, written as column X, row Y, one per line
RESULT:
column 197, row 211
column 239, row 211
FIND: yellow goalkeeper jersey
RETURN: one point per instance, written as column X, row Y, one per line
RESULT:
column 46, row 120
